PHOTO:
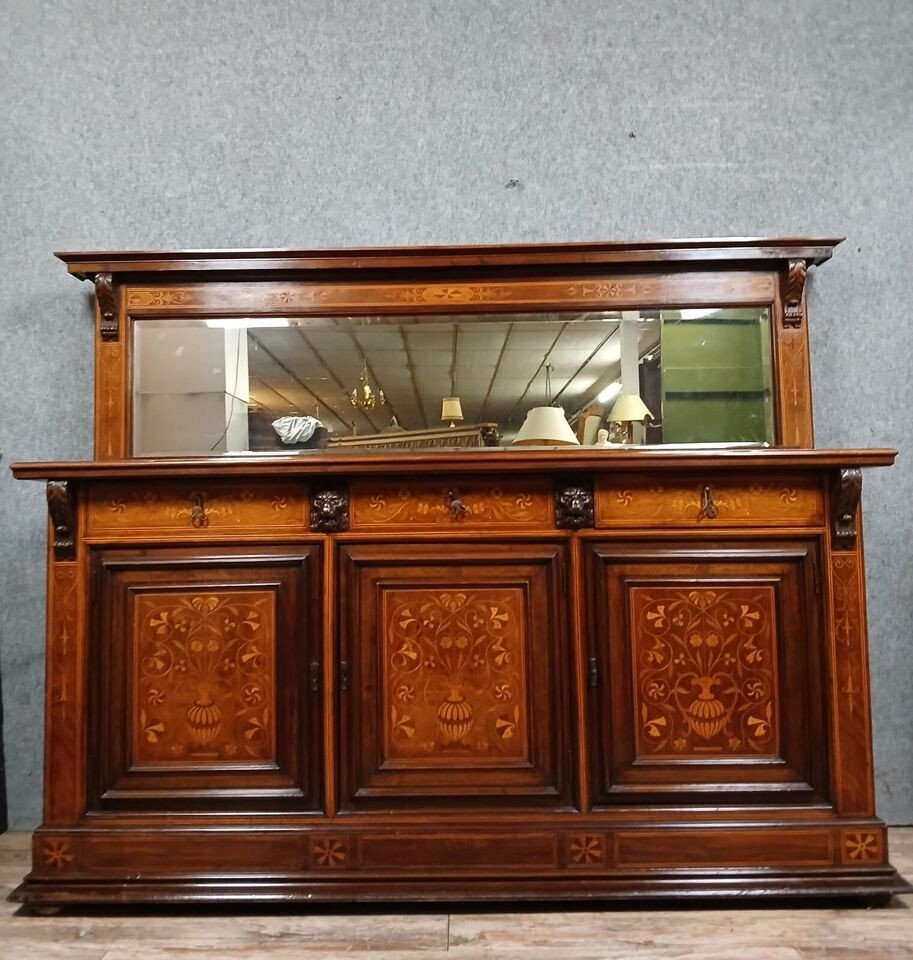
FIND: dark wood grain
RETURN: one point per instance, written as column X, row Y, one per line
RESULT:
column 459, row 674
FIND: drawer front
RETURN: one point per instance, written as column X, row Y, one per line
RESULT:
column 464, row 502
column 195, row 508
column 687, row 501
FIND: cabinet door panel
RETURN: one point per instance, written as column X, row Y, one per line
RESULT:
column 712, row 682
column 203, row 696
column 457, row 659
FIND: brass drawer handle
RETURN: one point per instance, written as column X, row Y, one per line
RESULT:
column 709, row 510
column 458, row 509
column 198, row 516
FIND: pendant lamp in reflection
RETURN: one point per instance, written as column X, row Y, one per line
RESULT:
column 546, row 425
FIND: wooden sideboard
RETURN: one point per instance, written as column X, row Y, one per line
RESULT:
column 493, row 673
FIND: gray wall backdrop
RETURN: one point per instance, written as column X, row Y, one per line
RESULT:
column 164, row 123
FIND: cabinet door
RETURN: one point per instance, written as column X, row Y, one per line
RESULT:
column 203, row 695
column 454, row 666
column 710, row 674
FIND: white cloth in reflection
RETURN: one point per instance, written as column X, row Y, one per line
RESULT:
column 296, row 429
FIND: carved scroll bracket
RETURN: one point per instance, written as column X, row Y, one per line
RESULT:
column 63, row 519
column 330, row 510
column 574, row 505
column 847, row 491
column 793, row 292
column 108, row 322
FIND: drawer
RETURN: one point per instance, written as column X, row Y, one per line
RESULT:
column 687, row 501
column 196, row 508
column 461, row 503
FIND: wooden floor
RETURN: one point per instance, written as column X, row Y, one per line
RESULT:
column 727, row 933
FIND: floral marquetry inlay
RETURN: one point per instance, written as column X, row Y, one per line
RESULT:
column 57, row 854
column 704, row 670
column 204, row 677
column 861, row 847
column 586, row 849
column 232, row 506
column 455, row 676
column 789, row 500
column 425, row 503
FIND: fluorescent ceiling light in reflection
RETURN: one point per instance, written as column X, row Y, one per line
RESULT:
column 233, row 323
column 611, row 391
column 696, row 314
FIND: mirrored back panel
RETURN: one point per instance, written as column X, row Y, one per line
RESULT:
column 229, row 385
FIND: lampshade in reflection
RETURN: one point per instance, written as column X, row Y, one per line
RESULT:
column 451, row 410
column 629, row 408
column 545, row 425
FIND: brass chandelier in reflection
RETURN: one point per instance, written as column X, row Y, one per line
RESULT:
column 365, row 396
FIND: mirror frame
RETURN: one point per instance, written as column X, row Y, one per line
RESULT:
column 133, row 285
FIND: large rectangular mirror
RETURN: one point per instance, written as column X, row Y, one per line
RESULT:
column 228, row 385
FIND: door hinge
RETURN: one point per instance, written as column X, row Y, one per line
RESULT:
column 344, row 675
column 592, row 673
column 314, row 673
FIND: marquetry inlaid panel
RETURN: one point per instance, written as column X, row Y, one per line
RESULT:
column 850, row 683
column 708, row 676
column 110, row 390
column 485, row 503
column 65, row 696
column 293, row 297
column 455, row 684
column 705, row 670
column 207, row 693
column 204, row 677
column 452, row 659
column 196, row 509
column 709, row 501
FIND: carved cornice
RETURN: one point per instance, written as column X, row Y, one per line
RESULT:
column 60, row 507
column 847, row 492
column 330, row 510
column 573, row 506
column 792, row 293
column 108, row 324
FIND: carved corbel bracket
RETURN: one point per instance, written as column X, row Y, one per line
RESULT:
column 847, row 491
column 573, row 505
column 63, row 519
column 792, row 293
column 108, row 325
column 330, row 510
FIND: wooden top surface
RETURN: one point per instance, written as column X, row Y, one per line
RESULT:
column 694, row 250
column 440, row 463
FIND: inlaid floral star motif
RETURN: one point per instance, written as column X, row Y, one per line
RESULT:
column 862, row 846
column 586, row 849
column 56, row 853
column 329, row 853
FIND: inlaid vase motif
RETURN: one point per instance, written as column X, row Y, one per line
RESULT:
column 204, row 676
column 705, row 669
column 455, row 674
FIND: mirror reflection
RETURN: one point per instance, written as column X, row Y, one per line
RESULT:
column 228, row 385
